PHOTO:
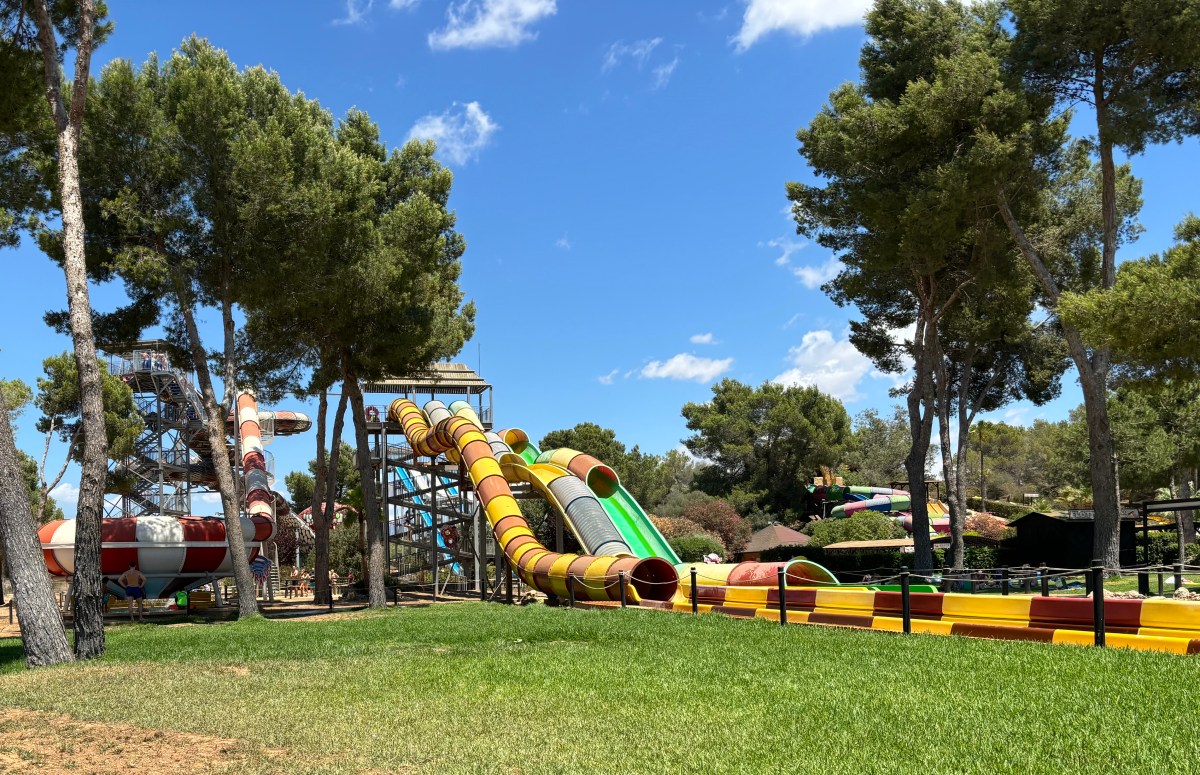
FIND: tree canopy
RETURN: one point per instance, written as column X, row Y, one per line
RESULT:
column 761, row 446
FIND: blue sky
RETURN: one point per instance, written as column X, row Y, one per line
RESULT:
column 619, row 178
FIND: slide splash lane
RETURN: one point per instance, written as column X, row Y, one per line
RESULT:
column 547, row 571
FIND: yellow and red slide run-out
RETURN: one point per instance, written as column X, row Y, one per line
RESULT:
column 598, row 577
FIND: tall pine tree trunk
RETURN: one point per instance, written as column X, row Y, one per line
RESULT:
column 950, row 474
column 226, row 484
column 1093, row 378
column 42, row 632
column 920, row 423
column 317, row 512
column 89, row 586
column 376, row 592
column 331, row 486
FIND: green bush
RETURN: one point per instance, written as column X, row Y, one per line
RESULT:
column 1005, row 509
column 693, row 548
column 1164, row 549
column 863, row 526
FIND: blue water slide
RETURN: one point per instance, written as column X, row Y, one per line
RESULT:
column 411, row 487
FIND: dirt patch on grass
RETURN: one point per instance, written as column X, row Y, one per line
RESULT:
column 34, row 741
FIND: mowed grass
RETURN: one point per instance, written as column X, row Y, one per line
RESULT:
column 487, row 688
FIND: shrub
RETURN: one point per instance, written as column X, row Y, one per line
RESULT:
column 675, row 527
column 986, row 525
column 863, row 526
column 719, row 518
column 693, row 548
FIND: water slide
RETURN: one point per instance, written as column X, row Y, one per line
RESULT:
column 461, row 438
column 581, row 510
column 177, row 553
column 427, row 518
column 630, row 519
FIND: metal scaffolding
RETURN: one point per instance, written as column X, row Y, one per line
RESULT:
column 438, row 538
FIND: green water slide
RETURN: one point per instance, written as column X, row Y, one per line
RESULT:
column 627, row 515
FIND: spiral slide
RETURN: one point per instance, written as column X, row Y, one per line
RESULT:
column 460, row 437
column 177, row 553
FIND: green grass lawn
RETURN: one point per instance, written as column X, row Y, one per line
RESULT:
column 488, row 688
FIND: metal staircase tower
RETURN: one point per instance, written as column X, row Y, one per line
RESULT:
column 172, row 456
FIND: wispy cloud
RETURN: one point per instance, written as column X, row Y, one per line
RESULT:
column 607, row 379
column 816, row 276
column 792, row 321
column 802, row 18
column 400, row 5
column 356, row 11
column 663, row 73
column 563, row 243
column 787, row 248
column 490, row 23
column 703, row 338
column 460, row 133
column 831, row 364
column 686, row 366
column 637, row 52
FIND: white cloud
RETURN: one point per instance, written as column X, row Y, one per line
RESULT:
column 787, row 247
column 66, row 495
column 607, row 379
column 816, row 276
column 833, row 365
column 703, row 339
column 207, row 498
column 792, row 320
column 563, row 243
column 460, row 133
column 796, row 17
column 484, row 23
column 662, row 73
column 638, row 51
column 686, row 366
column 356, row 11
column 402, row 4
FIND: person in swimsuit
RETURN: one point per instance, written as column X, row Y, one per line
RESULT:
column 135, row 589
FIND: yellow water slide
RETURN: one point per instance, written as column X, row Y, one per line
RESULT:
column 458, row 435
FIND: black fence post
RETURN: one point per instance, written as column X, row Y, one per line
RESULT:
column 1005, row 575
column 905, row 601
column 621, row 581
column 1098, row 601
column 1178, row 576
column 1044, row 574
column 695, row 594
column 1160, row 584
column 1087, row 581
column 782, row 583
column 571, row 590
column 1144, row 583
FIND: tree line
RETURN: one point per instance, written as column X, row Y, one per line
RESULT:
column 979, row 236
column 208, row 189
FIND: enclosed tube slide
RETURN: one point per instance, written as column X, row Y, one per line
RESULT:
column 630, row 519
column 878, row 503
column 178, row 552
column 547, row 571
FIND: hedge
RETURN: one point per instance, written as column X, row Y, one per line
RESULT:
column 1005, row 509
